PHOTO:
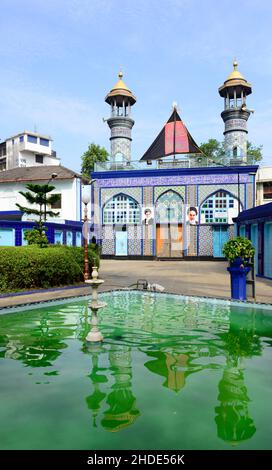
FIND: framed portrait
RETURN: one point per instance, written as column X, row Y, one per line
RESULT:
column 147, row 215
column 192, row 215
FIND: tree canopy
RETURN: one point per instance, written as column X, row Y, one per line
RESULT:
column 94, row 154
column 214, row 150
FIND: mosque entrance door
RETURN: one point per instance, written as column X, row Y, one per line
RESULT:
column 169, row 217
column 169, row 241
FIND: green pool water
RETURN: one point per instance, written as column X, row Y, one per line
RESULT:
column 172, row 373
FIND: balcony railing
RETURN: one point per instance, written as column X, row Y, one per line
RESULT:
column 190, row 162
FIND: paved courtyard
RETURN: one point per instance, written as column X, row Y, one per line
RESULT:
column 203, row 278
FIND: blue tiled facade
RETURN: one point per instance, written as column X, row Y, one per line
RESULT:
column 192, row 187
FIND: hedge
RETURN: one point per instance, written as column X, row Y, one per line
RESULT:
column 31, row 267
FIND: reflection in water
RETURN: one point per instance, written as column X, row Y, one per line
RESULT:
column 232, row 416
column 234, row 423
column 122, row 409
column 145, row 335
column 169, row 366
column 95, row 400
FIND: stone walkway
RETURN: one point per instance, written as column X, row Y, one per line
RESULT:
column 201, row 278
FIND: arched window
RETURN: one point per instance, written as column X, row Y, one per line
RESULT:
column 121, row 209
column 219, row 208
column 169, row 208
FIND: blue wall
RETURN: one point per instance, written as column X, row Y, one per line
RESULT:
column 13, row 230
column 256, row 223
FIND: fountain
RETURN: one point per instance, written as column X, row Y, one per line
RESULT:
column 94, row 334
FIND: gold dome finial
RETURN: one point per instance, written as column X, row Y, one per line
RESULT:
column 120, row 75
column 235, row 64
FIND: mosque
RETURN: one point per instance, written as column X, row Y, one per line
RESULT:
column 174, row 203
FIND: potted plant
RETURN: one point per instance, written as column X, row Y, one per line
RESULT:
column 239, row 251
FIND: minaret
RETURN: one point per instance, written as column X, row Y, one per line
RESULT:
column 235, row 116
column 120, row 123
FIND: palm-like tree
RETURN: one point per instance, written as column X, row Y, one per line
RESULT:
column 38, row 194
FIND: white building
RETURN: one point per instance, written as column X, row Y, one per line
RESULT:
column 67, row 183
column 264, row 185
column 27, row 149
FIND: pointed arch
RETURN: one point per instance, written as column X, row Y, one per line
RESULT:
column 219, row 207
column 121, row 209
column 169, row 207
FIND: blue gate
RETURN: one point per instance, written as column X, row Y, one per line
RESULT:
column 7, row 237
column 121, row 243
column 220, row 237
column 254, row 239
column 268, row 249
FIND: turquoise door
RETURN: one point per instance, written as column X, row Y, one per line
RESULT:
column 58, row 237
column 78, row 239
column 69, row 238
column 7, row 237
column 220, row 237
column 268, row 249
column 121, row 243
column 24, row 242
column 242, row 231
column 254, row 239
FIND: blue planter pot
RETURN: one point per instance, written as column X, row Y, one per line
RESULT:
column 238, row 281
column 237, row 262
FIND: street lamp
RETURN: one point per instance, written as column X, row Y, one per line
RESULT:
column 86, row 198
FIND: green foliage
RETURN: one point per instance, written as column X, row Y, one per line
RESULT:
column 94, row 154
column 37, row 195
column 34, row 237
column 214, row 150
column 31, row 267
column 254, row 152
column 239, row 247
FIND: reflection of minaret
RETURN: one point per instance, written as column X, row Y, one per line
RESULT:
column 120, row 123
column 232, row 417
column 94, row 401
column 122, row 410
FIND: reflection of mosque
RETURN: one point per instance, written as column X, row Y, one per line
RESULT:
column 174, row 358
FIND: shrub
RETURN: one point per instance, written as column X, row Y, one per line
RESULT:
column 31, row 267
column 35, row 237
column 239, row 247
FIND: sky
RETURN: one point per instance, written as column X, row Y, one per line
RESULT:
column 59, row 59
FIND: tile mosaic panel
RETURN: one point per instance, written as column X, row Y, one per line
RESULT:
column 148, row 239
column 191, row 240
column 249, row 196
column 205, row 240
column 191, row 195
column 205, row 191
column 108, row 242
column 231, row 231
column 158, row 190
column 148, row 196
column 107, row 194
column 134, row 240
